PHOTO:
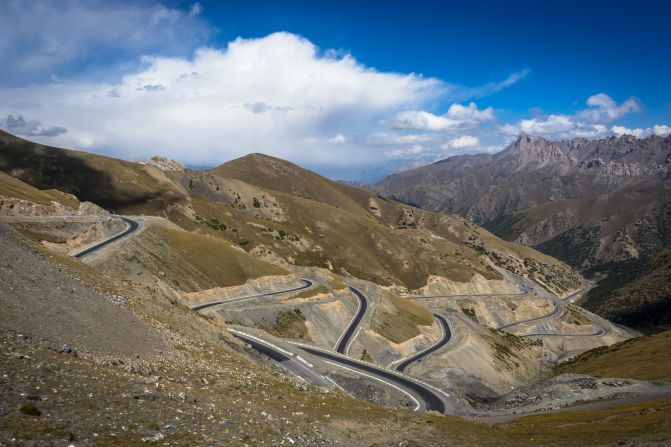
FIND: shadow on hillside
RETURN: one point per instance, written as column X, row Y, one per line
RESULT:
column 45, row 167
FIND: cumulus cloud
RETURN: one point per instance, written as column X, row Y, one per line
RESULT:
column 337, row 139
column 29, row 127
column 659, row 129
column 462, row 142
column 590, row 122
column 458, row 117
column 604, row 109
column 277, row 94
column 662, row 130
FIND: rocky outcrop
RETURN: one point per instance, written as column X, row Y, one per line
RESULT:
column 10, row 206
column 164, row 164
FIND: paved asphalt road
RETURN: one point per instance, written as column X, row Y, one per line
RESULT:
column 427, row 397
column 132, row 227
column 293, row 363
column 474, row 295
column 347, row 336
column 306, row 283
column 447, row 335
column 556, row 311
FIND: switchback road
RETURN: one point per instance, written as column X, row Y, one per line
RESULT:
column 445, row 339
column 306, row 283
column 347, row 337
column 131, row 226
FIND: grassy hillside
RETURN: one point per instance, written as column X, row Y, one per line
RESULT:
column 186, row 260
column 383, row 237
column 398, row 319
column 635, row 293
column 275, row 209
column 116, row 185
column 644, row 358
column 12, row 187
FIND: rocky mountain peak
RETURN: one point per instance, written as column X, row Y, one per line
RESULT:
column 532, row 148
column 165, row 164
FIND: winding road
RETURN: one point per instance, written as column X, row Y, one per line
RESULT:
column 556, row 312
column 131, row 227
column 294, row 363
column 445, row 339
column 426, row 397
column 348, row 336
column 306, row 283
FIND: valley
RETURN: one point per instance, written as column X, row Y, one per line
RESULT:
column 316, row 283
column 601, row 206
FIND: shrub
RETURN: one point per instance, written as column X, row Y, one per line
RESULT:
column 30, row 410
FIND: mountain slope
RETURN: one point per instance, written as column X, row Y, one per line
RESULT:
column 644, row 358
column 278, row 211
column 597, row 205
column 117, row 185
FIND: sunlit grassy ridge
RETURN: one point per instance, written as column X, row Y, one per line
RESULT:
column 644, row 358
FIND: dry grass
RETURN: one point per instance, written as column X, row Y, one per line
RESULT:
column 645, row 358
column 309, row 293
column 398, row 319
column 214, row 258
column 11, row 187
column 631, row 424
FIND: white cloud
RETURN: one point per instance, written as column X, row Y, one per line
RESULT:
column 662, row 130
column 414, row 150
column 659, row 129
column 462, row 142
column 457, row 118
column 470, row 113
column 587, row 123
column 337, row 139
column 277, row 94
column 604, row 109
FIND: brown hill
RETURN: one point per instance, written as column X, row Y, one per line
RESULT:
column 283, row 213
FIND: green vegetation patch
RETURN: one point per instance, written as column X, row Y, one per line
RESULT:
column 30, row 410
column 573, row 246
column 470, row 313
column 290, row 324
column 635, row 292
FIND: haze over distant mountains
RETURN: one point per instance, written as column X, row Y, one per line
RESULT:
column 603, row 206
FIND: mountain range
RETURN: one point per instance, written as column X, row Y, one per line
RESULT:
column 259, row 303
column 602, row 206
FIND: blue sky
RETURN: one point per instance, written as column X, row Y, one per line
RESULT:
column 575, row 48
column 351, row 89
